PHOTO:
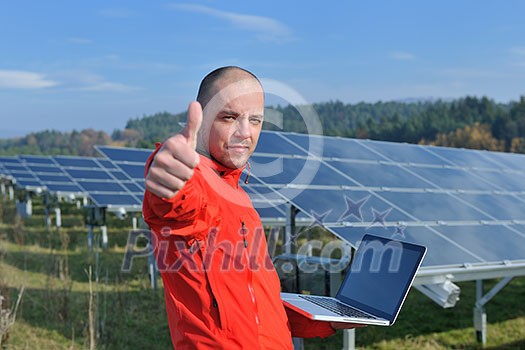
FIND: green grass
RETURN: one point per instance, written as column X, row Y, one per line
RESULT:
column 54, row 312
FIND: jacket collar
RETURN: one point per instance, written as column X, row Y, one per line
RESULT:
column 231, row 176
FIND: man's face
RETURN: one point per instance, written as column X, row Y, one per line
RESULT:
column 232, row 121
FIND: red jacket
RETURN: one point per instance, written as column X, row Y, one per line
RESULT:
column 221, row 289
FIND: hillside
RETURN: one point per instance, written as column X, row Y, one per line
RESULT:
column 469, row 122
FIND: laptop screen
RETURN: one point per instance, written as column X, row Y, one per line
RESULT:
column 380, row 275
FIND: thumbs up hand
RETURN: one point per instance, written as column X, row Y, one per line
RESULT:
column 174, row 163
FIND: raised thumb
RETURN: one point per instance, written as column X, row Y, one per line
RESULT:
column 193, row 123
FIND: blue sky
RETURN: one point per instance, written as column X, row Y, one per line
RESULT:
column 95, row 64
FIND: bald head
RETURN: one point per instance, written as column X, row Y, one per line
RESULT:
column 226, row 75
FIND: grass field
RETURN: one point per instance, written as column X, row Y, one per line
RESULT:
column 54, row 313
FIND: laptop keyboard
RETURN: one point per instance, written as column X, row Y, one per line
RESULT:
column 336, row 307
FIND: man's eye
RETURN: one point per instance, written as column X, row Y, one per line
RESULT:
column 228, row 117
column 256, row 121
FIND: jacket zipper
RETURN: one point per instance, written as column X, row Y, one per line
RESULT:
column 214, row 302
column 250, row 285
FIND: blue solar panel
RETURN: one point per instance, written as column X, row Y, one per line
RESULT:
column 44, row 178
column 64, row 188
column 107, row 164
column 404, row 153
column 94, row 186
column 80, row 174
column 77, row 162
column 279, row 170
column 16, row 167
column 503, row 180
column 464, row 157
column 132, row 187
column 275, row 144
column 334, row 147
column 454, row 254
column 44, row 169
column 119, row 175
column 450, row 178
column 125, row 154
column 426, row 194
column 134, row 171
column 489, row 242
column 36, row 159
column 380, row 175
column 507, row 160
column 106, row 185
column 105, row 200
column 6, row 160
column 499, row 207
column 25, row 182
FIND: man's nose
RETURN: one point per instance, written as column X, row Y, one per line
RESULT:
column 243, row 129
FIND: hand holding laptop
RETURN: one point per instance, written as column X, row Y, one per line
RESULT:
column 374, row 289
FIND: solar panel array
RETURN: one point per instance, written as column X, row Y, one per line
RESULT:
column 99, row 179
column 467, row 206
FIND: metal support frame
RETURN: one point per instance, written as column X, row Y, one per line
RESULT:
column 480, row 315
column 290, row 243
column 58, row 217
column 11, row 193
column 90, row 237
column 47, row 204
column 104, row 231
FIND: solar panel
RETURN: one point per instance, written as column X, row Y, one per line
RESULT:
column 457, row 201
column 78, row 162
column 22, row 176
column 105, row 185
column 447, row 199
column 119, row 154
column 36, row 159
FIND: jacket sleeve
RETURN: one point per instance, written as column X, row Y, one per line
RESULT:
column 178, row 213
column 303, row 327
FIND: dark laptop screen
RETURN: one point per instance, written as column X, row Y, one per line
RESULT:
column 380, row 275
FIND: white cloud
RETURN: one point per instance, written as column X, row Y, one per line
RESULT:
column 15, row 79
column 86, row 81
column 402, row 56
column 267, row 29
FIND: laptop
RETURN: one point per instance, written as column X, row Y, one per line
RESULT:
column 374, row 288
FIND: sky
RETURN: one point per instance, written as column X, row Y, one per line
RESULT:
column 71, row 65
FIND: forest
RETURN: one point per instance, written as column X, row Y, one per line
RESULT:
column 469, row 122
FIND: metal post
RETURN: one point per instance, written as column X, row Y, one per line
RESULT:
column 349, row 339
column 152, row 264
column 289, row 244
column 134, row 222
column 46, row 208
column 28, row 205
column 90, row 237
column 104, row 230
column 58, row 217
column 298, row 343
column 11, row 192
column 480, row 316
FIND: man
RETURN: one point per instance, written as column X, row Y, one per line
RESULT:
column 221, row 289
